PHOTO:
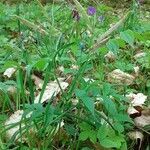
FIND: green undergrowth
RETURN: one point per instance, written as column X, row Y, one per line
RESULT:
column 37, row 40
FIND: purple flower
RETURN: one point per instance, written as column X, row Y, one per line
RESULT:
column 75, row 15
column 91, row 10
column 101, row 18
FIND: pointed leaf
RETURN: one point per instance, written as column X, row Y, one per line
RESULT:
column 87, row 101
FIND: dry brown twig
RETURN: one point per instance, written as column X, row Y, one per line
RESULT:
column 105, row 37
column 30, row 25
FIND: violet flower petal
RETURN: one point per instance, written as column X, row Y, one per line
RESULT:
column 91, row 10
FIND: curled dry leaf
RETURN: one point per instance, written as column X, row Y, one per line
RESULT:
column 144, row 119
column 134, row 135
column 118, row 76
column 9, row 72
column 110, row 56
column 137, row 99
column 139, row 55
column 131, row 110
column 52, row 89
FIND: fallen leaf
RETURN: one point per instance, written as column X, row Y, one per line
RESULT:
column 9, row 72
column 134, row 135
column 139, row 55
column 144, row 119
column 118, row 76
column 137, row 136
column 137, row 99
column 37, row 81
column 110, row 56
column 52, row 89
column 131, row 110
column 14, row 118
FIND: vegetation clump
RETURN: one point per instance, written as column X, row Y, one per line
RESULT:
column 74, row 75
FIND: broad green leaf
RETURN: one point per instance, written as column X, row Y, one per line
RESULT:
column 84, row 135
column 102, row 132
column 138, row 36
column 118, row 137
column 85, row 126
column 124, row 146
column 70, row 129
column 106, row 89
column 110, row 106
column 110, row 143
column 103, row 50
column 87, row 101
column 119, row 127
column 92, row 136
column 121, row 43
column 128, row 36
column 41, row 64
column 36, row 109
column 123, row 118
column 113, row 46
column 9, row 64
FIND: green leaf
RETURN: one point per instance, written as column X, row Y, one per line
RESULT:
column 41, row 64
column 113, row 46
column 121, row 43
column 106, row 89
column 123, row 118
column 124, row 146
column 92, row 136
column 70, row 129
column 119, row 127
column 103, row 50
column 87, row 101
column 84, row 126
column 10, row 64
column 102, row 132
column 110, row 106
column 138, row 36
column 84, row 135
column 128, row 36
column 110, row 143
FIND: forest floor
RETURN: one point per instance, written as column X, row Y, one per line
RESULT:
column 75, row 76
